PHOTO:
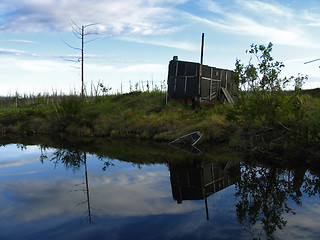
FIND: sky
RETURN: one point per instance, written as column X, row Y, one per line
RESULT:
column 132, row 41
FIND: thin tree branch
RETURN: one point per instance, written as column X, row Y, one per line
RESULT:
column 74, row 24
column 285, row 127
column 91, row 40
column 75, row 48
column 78, row 35
column 70, row 60
column 89, row 25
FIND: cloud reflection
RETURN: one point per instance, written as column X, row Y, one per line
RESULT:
column 20, row 173
column 17, row 163
column 306, row 226
column 120, row 194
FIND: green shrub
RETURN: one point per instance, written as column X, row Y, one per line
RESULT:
column 70, row 108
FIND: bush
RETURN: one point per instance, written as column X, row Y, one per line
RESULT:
column 70, row 108
column 261, row 99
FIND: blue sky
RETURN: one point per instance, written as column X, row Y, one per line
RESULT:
column 137, row 39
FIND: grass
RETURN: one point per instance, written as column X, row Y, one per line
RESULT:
column 144, row 115
column 136, row 115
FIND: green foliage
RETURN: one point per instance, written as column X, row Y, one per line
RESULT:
column 70, row 108
column 262, row 76
column 259, row 109
column 261, row 99
column 310, row 122
column 272, row 119
column 300, row 80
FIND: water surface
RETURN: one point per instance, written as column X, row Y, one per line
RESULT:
column 64, row 193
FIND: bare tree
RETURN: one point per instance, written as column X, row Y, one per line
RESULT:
column 81, row 33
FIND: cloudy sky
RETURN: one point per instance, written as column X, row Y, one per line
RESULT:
column 136, row 39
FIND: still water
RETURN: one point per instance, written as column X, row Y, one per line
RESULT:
column 61, row 193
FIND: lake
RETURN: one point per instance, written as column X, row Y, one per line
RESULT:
column 136, row 190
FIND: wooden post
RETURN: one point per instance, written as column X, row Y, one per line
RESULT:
column 202, row 45
column 201, row 62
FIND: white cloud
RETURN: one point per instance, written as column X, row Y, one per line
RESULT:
column 99, row 67
column 183, row 45
column 132, row 68
column 22, row 74
column 211, row 6
column 246, row 26
column 18, row 41
column 312, row 18
column 34, row 75
column 4, row 51
column 266, row 9
column 270, row 22
column 145, row 68
column 115, row 17
column 31, row 65
column 301, row 60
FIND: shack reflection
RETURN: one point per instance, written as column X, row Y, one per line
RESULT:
column 197, row 180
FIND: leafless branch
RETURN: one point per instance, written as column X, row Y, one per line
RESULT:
column 77, row 34
column 91, row 40
column 74, row 24
column 75, row 48
column 92, row 24
column 285, row 127
column 71, row 60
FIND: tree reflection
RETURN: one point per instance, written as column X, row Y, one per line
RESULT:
column 264, row 192
column 311, row 185
column 75, row 159
column 70, row 158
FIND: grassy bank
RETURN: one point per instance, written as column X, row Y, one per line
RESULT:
column 144, row 115
column 137, row 114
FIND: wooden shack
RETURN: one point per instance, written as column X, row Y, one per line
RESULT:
column 191, row 81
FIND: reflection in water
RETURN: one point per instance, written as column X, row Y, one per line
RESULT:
column 87, row 186
column 199, row 180
column 188, row 149
column 311, row 184
column 264, row 193
column 73, row 159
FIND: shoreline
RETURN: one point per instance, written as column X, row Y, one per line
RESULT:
column 143, row 115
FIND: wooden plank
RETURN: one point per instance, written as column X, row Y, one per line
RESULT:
column 211, row 79
column 227, row 95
